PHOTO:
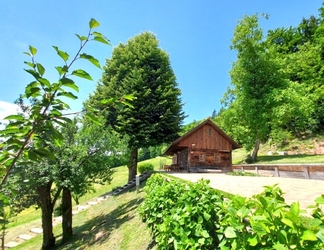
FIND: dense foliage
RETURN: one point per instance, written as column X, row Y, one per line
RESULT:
column 195, row 216
column 277, row 83
column 145, row 167
column 142, row 69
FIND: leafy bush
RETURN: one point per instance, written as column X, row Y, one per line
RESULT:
column 181, row 216
column 145, row 167
column 194, row 216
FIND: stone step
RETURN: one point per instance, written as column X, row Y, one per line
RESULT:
column 25, row 236
column 82, row 207
column 75, row 212
column 36, row 230
column 91, row 203
column 11, row 244
column 101, row 199
column 58, row 219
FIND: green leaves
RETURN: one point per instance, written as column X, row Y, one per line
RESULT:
column 66, row 82
column 187, row 214
column 181, row 214
column 81, row 73
column 93, row 23
column 91, row 59
column 100, row 38
column 14, row 117
column 27, row 135
column 32, row 51
column 62, row 54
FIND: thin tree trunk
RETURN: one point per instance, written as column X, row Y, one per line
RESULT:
column 256, row 150
column 66, row 214
column 132, row 168
column 44, row 193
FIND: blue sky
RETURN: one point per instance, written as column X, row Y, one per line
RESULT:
column 195, row 33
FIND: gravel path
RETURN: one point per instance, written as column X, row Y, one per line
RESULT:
column 303, row 190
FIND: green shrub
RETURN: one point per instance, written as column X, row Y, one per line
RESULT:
column 194, row 216
column 145, row 167
column 180, row 215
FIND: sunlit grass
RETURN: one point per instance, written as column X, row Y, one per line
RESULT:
column 239, row 155
column 31, row 217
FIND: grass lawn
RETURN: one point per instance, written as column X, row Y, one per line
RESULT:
column 240, row 154
column 111, row 224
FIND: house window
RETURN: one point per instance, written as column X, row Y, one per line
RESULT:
column 201, row 157
column 209, row 132
column 217, row 158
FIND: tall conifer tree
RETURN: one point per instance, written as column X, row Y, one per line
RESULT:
column 141, row 68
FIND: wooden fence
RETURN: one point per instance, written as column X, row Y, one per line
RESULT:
column 302, row 171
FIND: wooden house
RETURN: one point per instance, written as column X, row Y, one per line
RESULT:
column 206, row 147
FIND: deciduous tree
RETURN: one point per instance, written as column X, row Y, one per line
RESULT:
column 23, row 137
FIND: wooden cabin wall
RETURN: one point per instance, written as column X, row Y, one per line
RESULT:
column 209, row 159
column 206, row 138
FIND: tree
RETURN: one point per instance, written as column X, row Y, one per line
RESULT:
column 275, row 83
column 84, row 158
column 141, row 68
column 24, row 135
column 214, row 114
column 300, row 52
column 254, row 76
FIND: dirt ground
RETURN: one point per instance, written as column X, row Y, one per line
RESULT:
column 303, row 190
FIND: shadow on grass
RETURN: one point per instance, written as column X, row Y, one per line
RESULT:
column 98, row 229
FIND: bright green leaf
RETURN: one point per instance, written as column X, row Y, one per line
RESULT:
column 207, row 216
column 32, row 92
column 93, row 118
column 32, row 50
column 30, row 64
column 14, row 117
column 91, row 59
column 44, row 82
column 27, row 53
column 67, row 94
column 309, row 235
column 129, row 97
column 107, row 101
column 127, row 104
column 55, row 112
column 62, row 54
column 205, row 234
column 33, row 73
column 67, row 82
column 40, row 68
column 62, row 70
column 93, row 23
column 288, row 222
column 253, row 241
column 230, row 232
column 100, row 39
column 320, row 200
column 81, row 73
column 82, row 38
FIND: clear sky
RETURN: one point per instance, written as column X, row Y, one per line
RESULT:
column 195, row 33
